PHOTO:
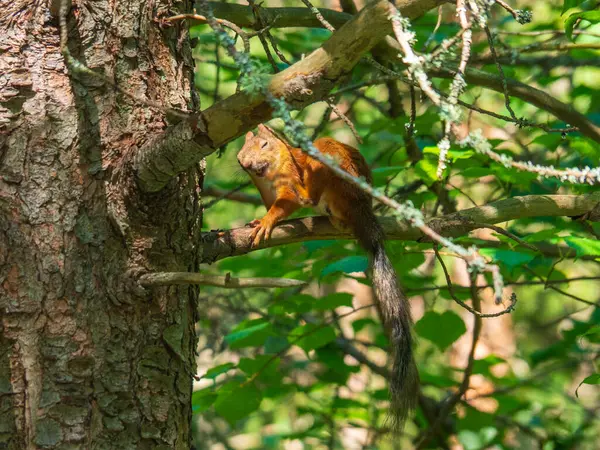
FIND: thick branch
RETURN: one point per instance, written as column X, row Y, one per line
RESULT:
column 305, row 82
column 170, row 278
column 284, row 17
column 234, row 242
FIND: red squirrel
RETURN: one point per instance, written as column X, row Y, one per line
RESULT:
column 288, row 179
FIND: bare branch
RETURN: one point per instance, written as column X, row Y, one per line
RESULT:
column 237, row 241
column 529, row 94
column 508, row 309
column 233, row 194
column 226, row 281
column 198, row 18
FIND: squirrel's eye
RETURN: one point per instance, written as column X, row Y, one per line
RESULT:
column 263, row 145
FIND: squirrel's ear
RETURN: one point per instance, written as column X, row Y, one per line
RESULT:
column 249, row 136
column 262, row 129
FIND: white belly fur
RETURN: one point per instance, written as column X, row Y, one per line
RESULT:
column 266, row 189
column 322, row 207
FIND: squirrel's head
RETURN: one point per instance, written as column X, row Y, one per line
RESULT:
column 261, row 152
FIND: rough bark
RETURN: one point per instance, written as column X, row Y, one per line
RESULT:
column 87, row 358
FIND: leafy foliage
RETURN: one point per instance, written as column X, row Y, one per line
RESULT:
column 309, row 365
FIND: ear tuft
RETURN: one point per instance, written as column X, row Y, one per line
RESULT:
column 262, row 129
column 249, row 135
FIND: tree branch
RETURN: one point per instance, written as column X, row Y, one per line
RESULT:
column 222, row 244
column 170, row 278
column 528, row 93
column 305, row 82
column 286, row 17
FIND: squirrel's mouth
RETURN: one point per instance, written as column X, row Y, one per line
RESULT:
column 260, row 170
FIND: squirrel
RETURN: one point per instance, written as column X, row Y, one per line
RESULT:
column 288, row 179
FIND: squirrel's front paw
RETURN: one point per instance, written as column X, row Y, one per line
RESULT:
column 262, row 230
column 254, row 223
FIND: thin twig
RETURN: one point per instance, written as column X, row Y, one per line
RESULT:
column 509, row 309
column 344, row 118
column 506, row 282
column 560, row 291
column 458, row 86
column 509, row 8
column 449, row 404
column 226, row 23
column 435, row 29
column 218, row 74
column 232, row 194
column 500, row 72
column 323, row 122
column 506, row 233
column 446, row 45
column 543, row 32
column 519, row 122
column 261, row 36
column 318, row 15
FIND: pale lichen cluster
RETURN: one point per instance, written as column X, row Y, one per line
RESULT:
column 480, row 144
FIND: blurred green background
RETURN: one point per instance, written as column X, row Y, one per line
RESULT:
column 275, row 365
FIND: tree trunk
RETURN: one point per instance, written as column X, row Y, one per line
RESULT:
column 88, row 359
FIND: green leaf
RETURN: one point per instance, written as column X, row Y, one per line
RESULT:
column 332, row 301
column 568, row 4
column 265, row 364
column 202, row 400
column 312, row 246
column 251, row 333
column 475, row 420
column 584, row 246
column 590, row 16
column 302, row 303
column 237, row 403
column 476, row 172
column 312, row 336
column 382, row 174
column 426, row 170
column 348, row 264
column 460, row 153
column 214, row 372
column 470, row 440
column 441, row 329
column 482, row 366
column 275, row 344
column 542, row 235
column 593, row 334
column 359, row 324
column 436, row 380
column 333, row 358
column 509, row 258
column 477, row 440
column 348, row 403
column 592, row 379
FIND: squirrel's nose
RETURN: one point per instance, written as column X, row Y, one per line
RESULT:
column 245, row 165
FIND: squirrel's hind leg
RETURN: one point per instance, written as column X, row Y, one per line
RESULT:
column 340, row 224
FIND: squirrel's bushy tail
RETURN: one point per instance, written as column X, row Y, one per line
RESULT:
column 395, row 312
